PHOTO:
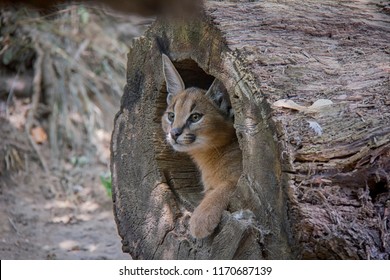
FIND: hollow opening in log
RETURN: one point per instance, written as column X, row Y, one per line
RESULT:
column 177, row 168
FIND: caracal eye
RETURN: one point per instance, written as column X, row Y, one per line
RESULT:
column 171, row 116
column 195, row 117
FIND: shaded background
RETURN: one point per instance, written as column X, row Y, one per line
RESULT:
column 62, row 73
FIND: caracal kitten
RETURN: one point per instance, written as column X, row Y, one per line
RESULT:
column 200, row 124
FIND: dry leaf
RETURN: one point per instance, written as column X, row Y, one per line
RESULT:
column 289, row 104
column 320, row 103
column 315, row 107
column 38, row 134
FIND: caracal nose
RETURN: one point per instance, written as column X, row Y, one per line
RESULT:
column 175, row 133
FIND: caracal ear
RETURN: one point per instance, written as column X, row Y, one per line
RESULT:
column 218, row 94
column 173, row 80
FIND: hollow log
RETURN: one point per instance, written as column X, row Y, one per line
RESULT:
column 309, row 85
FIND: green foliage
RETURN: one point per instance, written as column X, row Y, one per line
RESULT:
column 8, row 55
column 79, row 160
column 84, row 14
column 106, row 182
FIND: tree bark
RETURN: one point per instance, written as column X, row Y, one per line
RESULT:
column 315, row 180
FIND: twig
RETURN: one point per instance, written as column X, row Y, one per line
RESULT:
column 83, row 46
column 53, row 93
column 13, row 225
column 11, row 94
column 37, row 82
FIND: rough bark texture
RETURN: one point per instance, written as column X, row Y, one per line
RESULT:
column 315, row 182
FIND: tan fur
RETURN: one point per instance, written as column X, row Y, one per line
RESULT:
column 215, row 150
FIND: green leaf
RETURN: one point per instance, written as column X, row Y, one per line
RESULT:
column 106, row 182
column 8, row 56
column 84, row 15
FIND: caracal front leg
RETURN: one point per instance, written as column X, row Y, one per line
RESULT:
column 207, row 215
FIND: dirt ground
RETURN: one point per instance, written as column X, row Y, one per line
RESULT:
column 35, row 226
column 66, row 214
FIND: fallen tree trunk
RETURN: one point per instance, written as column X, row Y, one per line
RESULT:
column 315, row 180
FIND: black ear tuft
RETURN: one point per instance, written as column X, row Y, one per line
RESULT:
column 219, row 95
column 162, row 43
